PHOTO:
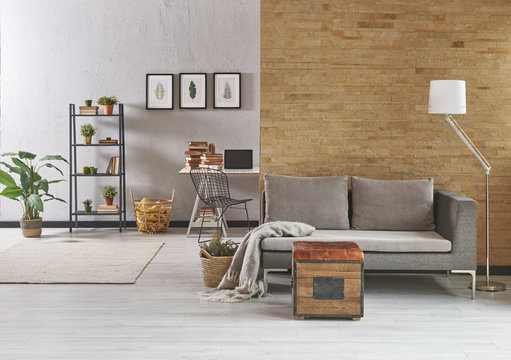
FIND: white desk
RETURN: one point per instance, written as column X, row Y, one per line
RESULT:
column 195, row 220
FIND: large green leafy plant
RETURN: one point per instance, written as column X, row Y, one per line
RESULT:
column 32, row 190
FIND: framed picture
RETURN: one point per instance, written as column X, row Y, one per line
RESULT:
column 159, row 91
column 192, row 91
column 227, row 90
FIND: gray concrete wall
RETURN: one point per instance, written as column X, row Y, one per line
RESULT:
column 59, row 52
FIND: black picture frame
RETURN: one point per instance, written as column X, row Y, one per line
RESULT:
column 234, row 90
column 149, row 104
column 185, row 100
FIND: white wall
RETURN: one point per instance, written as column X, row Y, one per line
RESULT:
column 58, row 52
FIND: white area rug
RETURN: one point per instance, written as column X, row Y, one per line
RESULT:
column 75, row 262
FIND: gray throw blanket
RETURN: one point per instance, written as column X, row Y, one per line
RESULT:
column 241, row 282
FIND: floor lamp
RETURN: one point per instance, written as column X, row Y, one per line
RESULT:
column 448, row 97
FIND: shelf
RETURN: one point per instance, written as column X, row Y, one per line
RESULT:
column 98, row 115
column 96, row 144
column 94, row 213
column 93, row 175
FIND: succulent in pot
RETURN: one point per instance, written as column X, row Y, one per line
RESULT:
column 32, row 190
column 87, row 205
column 109, row 194
column 87, row 130
column 108, row 103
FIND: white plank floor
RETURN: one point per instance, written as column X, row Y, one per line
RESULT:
column 160, row 317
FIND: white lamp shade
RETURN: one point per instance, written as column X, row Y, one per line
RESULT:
column 447, row 97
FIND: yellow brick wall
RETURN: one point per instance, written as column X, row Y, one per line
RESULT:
column 344, row 90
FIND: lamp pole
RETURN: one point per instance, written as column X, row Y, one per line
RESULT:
column 487, row 285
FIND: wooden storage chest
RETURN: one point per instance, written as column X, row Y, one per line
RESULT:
column 328, row 280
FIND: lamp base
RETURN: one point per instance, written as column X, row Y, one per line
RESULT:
column 490, row 286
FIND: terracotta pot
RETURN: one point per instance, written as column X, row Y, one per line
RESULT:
column 109, row 201
column 87, row 140
column 31, row 228
column 108, row 109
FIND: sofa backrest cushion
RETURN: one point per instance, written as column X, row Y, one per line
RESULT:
column 405, row 205
column 318, row 201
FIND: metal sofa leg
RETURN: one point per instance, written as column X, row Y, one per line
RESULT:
column 473, row 285
column 265, row 275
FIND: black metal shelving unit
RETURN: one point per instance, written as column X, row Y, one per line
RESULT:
column 74, row 175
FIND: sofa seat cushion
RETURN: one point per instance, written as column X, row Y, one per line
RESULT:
column 371, row 241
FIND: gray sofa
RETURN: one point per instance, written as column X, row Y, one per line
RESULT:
column 450, row 244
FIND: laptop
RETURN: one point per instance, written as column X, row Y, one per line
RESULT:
column 238, row 159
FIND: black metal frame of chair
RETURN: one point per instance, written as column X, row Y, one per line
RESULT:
column 212, row 186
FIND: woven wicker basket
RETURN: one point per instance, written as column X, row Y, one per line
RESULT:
column 31, row 228
column 153, row 215
column 213, row 267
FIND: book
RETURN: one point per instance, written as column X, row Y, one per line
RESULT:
column 89, row 107
column 109, row 167
column 108, row 209
column 108, row 141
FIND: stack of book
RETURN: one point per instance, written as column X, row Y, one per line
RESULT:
column 108, row 142
column 208, row 212
column 108, row 209
column 113, row 165
column 193, row 155
column 211, row 161
column 89, row 110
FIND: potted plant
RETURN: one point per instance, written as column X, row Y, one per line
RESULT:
column 109, row 193
column 216, row 257
column 87, row 130
column 87, row 206
column 32, row 189
column 108, row 103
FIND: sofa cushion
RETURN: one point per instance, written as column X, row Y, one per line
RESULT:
column 403, row 205
column 371, row 241
column 318, row 201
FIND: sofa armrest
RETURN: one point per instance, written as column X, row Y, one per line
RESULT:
column 456, row 220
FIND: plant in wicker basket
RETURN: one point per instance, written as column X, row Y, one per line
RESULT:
column 216, row 257
column 32, row 189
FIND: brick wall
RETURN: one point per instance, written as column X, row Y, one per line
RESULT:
column 344, row 90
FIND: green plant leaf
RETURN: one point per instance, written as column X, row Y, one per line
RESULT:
column 13, row 169
column 26, row 155
column 36, row 176
column 159, row 92
column 42, row 184
column 6, row 179
column 11, row 192
column 53, row 167
column 51, row 197
column 56, row 181
column 35, row 202
column 24, row 182
column 21, row 164
column 193, row 90
column 54, row 157
column 10, row 154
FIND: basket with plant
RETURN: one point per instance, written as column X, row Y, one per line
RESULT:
column 216, row 257
column 87, row 130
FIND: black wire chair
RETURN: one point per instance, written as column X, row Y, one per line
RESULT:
column 212, row 187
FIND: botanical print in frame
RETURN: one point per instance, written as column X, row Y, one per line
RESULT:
column 192, row 91
column 159, row 91
column 227, row 90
